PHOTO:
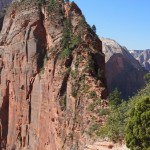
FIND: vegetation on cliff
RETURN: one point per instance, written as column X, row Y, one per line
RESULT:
column 128, row 120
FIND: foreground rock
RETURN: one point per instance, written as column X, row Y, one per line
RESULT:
column 123, row 71
column 44, row 85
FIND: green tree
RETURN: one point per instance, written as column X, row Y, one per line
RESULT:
column 94, row 28
column 138, row 126
column 51, row 5
column 115, row 125
column 115, row 98
column 147, row 77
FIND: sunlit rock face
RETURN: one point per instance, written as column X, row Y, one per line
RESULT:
column 143, row 56
column 123, row 71
column 44, row 98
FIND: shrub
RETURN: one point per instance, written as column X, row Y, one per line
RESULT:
column 103, row 112
column 147, row 77
column 115, row 98
column 69, row 40
column 91, row 107
column 93, row 129
column 138, row 127
column 51, row 5
column 92, row 94
column 90, row 65
column 40, row 2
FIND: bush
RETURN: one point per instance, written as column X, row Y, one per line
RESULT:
column 115, row 125
column 93, row 129
column 147, row 77
column 40, row 2
column 92, row 94
column 115, row 98
column 138, row 127
column 104, row 112
column 69, row 41
column 51, row 5
column 91, row 107
column 90, row 66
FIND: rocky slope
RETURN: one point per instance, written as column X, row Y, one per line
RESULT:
column 51, row 77
column 143, row 56
column 123, row 71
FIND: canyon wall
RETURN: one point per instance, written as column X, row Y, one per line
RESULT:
column 143, row 56
column 47, row 84
column 123, row 71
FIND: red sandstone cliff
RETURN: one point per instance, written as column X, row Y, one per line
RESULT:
column 44, row 97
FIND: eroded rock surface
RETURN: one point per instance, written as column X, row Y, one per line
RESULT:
column 44, row 98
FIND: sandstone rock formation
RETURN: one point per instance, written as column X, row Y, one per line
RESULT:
column 46, row 81
column 143, row 56
column 123, row 71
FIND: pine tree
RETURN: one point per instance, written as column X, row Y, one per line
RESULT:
column 115, row 98
column 138, row 127
column 94, row 28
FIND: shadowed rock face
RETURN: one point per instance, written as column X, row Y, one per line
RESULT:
column 123, row 71
column 44, row 100
column 3, row 4
column 143, row 56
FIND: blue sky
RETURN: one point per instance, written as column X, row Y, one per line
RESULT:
column 126, row 21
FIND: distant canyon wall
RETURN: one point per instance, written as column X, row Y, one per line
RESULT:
column 123, row 71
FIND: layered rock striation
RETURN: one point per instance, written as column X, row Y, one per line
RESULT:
column 123, row 71
column 51, row 71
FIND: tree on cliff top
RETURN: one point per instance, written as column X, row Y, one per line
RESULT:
column 94, row 28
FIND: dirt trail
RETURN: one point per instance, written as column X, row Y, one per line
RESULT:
column 105, row 146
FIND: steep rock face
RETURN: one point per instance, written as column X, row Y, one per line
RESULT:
column 3, row 4
column 123, row 71
column 45, row 80
column 143, row 56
